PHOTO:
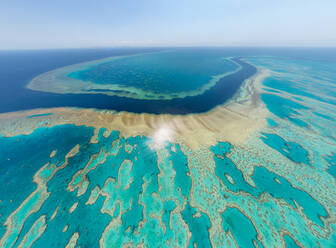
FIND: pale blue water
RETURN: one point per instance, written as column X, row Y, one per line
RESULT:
column 280, row 181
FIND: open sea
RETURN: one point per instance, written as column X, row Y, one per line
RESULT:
column 74, row 185
column 19, row 67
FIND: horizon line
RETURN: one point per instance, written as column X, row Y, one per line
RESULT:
column 163, row 46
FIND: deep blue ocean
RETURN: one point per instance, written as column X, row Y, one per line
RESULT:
column 17, row 68
column 88, row 180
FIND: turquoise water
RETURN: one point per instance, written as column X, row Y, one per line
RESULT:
column 39, row 115
column 163, row 73
column 284, row 108
column 290, row 243
column 265, row 182
column 276, row 189
column 18, row 169
column 331, row 160
column 290, row 149
column 241, row 227
column 324, row 116
column 128, row 182
column 271, row 122
column 288, row 86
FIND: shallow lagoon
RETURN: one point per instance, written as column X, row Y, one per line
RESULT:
column 186, row 88
column 92, row 187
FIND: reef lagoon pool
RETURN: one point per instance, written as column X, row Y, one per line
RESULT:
column 168, row 147
column 134, row 86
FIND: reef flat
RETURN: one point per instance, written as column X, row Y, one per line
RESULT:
column 257, row 171
column 234, row 121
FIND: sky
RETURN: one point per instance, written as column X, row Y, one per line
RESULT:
column 43, row 24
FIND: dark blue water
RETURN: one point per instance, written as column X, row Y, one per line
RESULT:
column 17, row 68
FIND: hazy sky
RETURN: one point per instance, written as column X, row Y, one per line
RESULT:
column 105, row 23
